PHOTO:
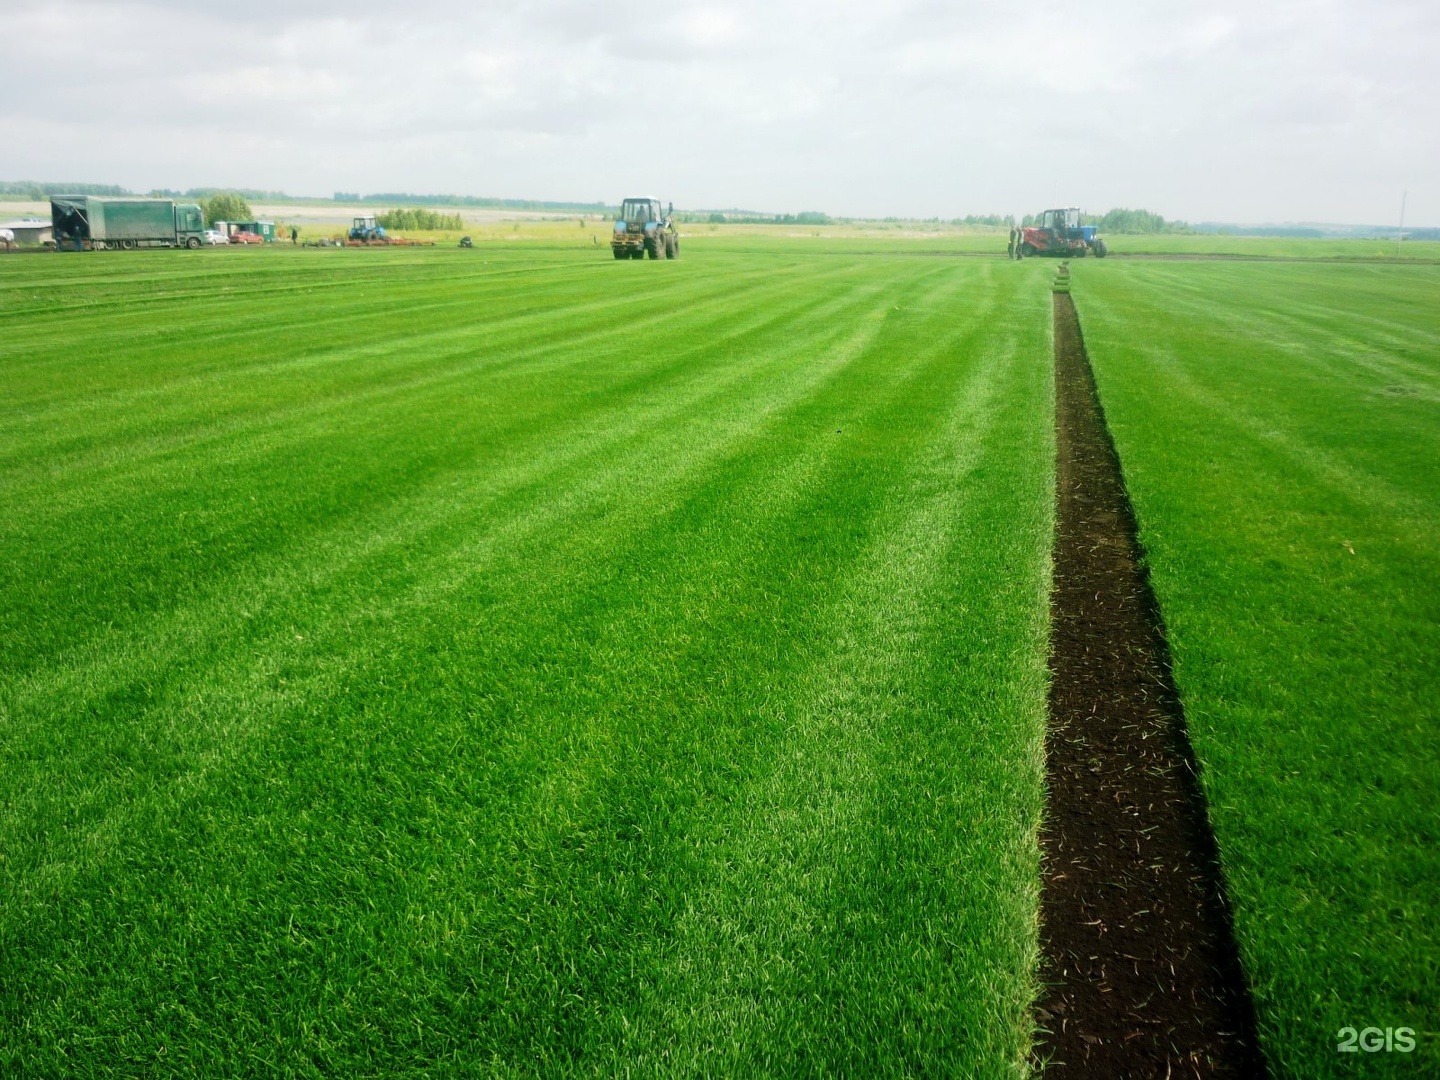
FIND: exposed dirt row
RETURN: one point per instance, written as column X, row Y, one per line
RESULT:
column 1142, row 974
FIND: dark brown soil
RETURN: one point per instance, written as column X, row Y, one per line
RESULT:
column 1139, row 962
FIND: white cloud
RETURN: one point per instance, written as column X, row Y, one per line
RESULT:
column 1302, row 109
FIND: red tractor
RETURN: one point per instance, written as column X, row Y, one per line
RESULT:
column 1059, row 233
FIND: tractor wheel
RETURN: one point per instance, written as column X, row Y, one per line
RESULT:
column 654, row 248
column 1100, row 249
column 672, row 246
column 620, row 253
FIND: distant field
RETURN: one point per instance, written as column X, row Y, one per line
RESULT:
column 578, row 230
column 1280, row 433
column 1275, row 247
column 514, row 662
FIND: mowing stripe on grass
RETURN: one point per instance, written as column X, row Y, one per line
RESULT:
column 564, row 691
column 1143, row 975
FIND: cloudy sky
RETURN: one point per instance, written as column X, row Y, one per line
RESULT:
column 1235, row 110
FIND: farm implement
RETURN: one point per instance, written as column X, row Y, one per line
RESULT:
column 388, row 241
column 364, row 232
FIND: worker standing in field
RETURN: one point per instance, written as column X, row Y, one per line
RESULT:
column 294, row 235
column 1010, row 251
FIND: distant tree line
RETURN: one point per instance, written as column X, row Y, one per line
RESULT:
column 1138, row 221
column 414, row 217
column 1124, row 221
column 1290, row 232
column 470, row 200
column 1118, row 220
column 749, row 217
column 199, row 193
column 40, row 191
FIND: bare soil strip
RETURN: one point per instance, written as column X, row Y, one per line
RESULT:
column 1142, row 974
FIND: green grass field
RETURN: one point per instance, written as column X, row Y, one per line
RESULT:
column 518, row 663
column 1377, row 249
column 1279, row 428
column 513, row 662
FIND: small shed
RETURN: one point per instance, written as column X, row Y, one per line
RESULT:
column 263, row 229
column 30, row 230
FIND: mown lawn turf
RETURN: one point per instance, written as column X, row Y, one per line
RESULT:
column 1279, row 429
column 520, row 663
column 1201, row 245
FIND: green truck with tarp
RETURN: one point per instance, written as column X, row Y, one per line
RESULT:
column 104, row 223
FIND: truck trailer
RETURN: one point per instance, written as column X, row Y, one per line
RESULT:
column 100, row 223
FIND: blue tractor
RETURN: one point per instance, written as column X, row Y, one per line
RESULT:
column 1059, row 233
column 364, row 228
column 643, row 228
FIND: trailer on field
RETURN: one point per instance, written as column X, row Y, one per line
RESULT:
column 102, row 223
column 265, row 230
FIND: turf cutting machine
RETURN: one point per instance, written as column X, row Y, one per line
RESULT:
column 1059, row 233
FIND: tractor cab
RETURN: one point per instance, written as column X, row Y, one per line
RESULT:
column 1062, row 222
column 637, row 214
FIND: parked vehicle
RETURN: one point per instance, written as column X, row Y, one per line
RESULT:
column 215, row 236
column 245, row 237
column 101, row 223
